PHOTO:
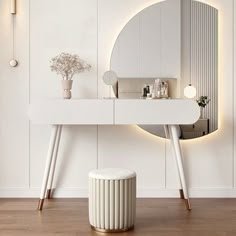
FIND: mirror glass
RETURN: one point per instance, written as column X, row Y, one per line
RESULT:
column 167, row 51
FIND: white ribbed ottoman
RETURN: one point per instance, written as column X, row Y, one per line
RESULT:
column 112, row 200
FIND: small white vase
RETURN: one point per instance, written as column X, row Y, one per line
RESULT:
column 201, row 112
column 67, row 86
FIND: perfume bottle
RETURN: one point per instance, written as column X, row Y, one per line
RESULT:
column 164, row 89
column 161, row 88
column 157, row 88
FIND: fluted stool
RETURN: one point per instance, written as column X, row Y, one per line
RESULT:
column 112, row 200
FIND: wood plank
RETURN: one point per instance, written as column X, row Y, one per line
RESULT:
column 159, row 217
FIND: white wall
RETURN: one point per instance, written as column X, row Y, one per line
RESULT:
column 89, row 28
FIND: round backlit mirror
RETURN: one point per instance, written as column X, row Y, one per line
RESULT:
column 173, row 43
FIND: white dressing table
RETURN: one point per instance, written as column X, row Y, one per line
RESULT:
column 170, row 113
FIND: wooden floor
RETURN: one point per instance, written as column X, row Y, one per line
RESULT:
column 159, row 217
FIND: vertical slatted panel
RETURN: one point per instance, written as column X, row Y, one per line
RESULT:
column 94, row 201
column 117, row 204
column 200, row 49
column 125, row 203
column 112, row 204
column 107, row 205
column 129, row 201
column 102, row 203
column 90, row 201
column 98, row 210
column 134, row 199
column 204, row 22
column 121, row 204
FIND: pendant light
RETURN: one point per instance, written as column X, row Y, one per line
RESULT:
column 190, row 91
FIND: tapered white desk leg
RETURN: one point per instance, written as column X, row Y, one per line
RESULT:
column 48, row 166
column 178, row 155
column 166, row 130
column 54, row 162
column 168, row 136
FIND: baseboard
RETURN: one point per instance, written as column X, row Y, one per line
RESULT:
column 141, row 193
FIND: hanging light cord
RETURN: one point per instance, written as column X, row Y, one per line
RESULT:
column 190, row 43
column 13, row 36
column 13, row 62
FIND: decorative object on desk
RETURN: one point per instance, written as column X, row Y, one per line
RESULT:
column 67, row 86
column 110, row 78
column 164, row 89
column 145, row 91
column 161, row 89
column 202, row 103
column 157, row 88
column 67, row 65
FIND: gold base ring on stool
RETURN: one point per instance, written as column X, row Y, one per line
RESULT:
column 112, row 230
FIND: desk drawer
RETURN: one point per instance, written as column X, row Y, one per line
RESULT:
column 156, row 111
column 73, row 112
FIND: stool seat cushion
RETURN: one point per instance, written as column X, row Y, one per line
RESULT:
column 112, row 174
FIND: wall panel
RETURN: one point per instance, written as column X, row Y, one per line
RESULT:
column 90, row 29
column 14, row 97
column 126, row 146
column 55, row 29
column 209, row 159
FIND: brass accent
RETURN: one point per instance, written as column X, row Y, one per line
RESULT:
column 112, row 230
column 40, row 205
column 188, row 205
column 187, row 202
column 181, row 192
column 48, row 194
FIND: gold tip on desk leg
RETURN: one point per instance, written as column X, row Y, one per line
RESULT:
column 48, row 195
column 181, row 192
column 188, row 206
column 40, row 206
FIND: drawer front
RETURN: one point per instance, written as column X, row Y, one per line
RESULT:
column 144, row 112
column 73, row 112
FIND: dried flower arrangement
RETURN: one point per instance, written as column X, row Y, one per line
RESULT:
column 67, row 65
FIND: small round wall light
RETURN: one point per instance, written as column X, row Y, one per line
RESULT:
column 13, row 63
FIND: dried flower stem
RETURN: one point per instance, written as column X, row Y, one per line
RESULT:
column 67, row 65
